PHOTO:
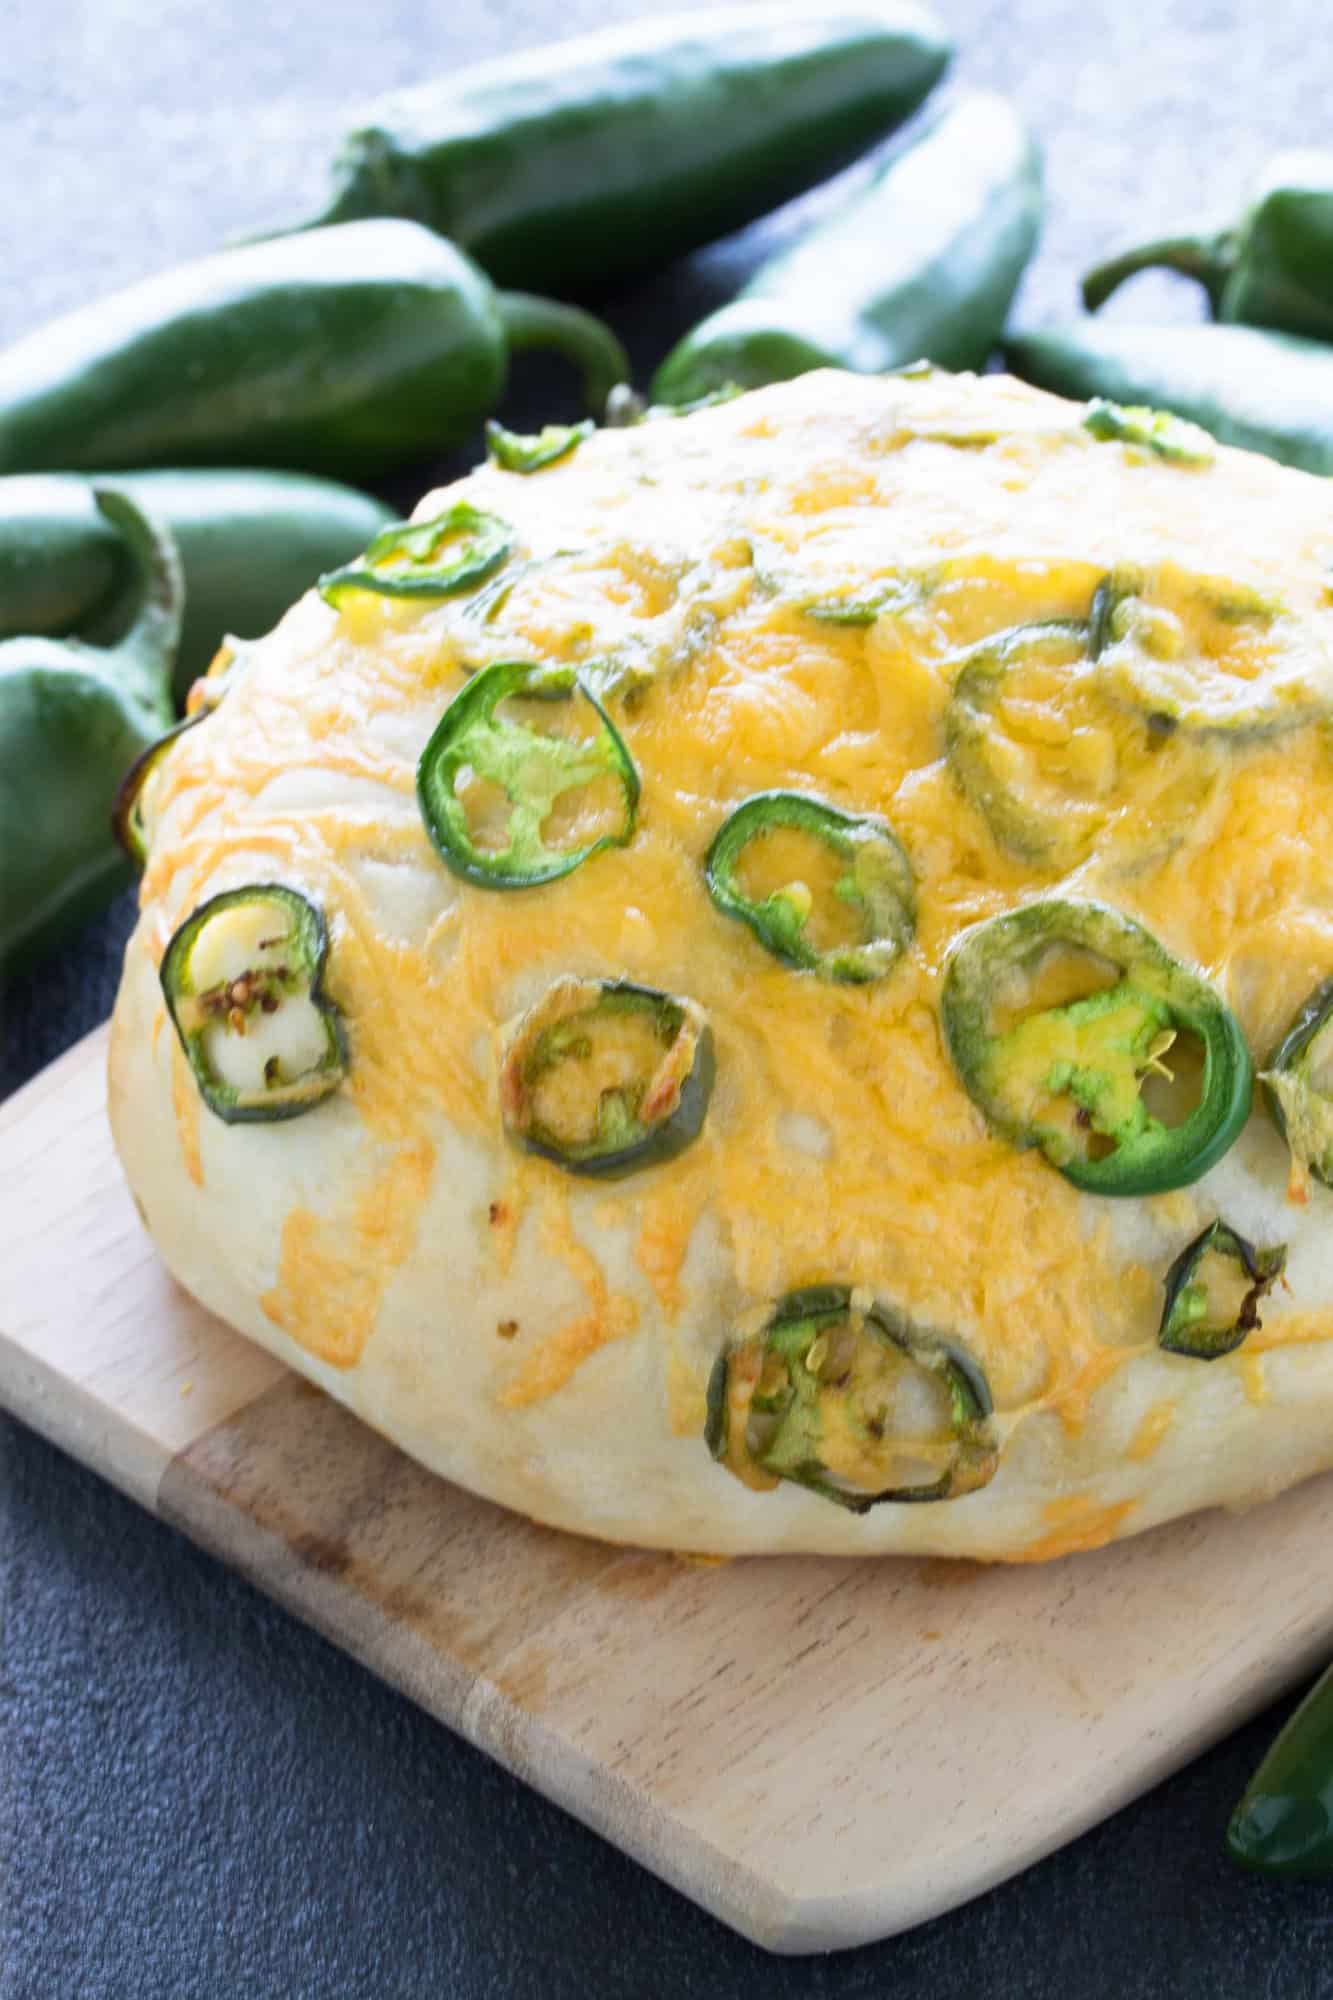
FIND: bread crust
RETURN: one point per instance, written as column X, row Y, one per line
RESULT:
column 525, row 1333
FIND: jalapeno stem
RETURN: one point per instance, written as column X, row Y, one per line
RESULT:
column 531, row 322
column 1207, row 258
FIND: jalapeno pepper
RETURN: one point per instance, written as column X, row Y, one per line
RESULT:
column 352, row 349
column 1266, row 392
column 1067, row 1074
column 1246, row 669
column 924, row 262
column 515, row 452
column 1274, row 267
column 1039, row 821
column 73, row 716
column 606, row 1077
column 242, row 979
column 131, row 811
column 872, row 896
column 436, row 558
column 1298, row 1088
column 249, row 543
column 1055, row 739
column 609, row 155
column 1156, row 431
column 62, row 560
column 510, row 805
column 831, row 1394
column 1213, row 1292
column 1284, row 1823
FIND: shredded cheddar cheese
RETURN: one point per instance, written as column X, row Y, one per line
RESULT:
column 692, row 566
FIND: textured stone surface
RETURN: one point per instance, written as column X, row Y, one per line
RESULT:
column 197, row 1796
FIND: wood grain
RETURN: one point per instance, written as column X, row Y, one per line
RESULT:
column 820, row 1752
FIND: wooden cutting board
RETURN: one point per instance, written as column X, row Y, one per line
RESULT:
column 820, row 1752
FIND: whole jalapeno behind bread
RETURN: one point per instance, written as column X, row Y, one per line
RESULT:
column 350, row 350
column 249, row 541
column 602, row 157
column 1272, row 267
column 1265, row 392
column 924, row 262
column 73, row 717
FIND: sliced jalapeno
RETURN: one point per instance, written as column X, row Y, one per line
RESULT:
column 1056, row 1016
column 842, row 902
column 1213, row 1290
column 1298, row 1089
column 131, row 811
column 846, row 1396
column 1234, row 665
column 425, row 559
column 866, row 607
column 1050, row 758
column 509, row 804
column 515, row 451
column 242, row 980
column 604, row 1077
column 1153, row 430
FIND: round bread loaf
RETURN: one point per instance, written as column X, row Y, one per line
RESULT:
column 742, row 947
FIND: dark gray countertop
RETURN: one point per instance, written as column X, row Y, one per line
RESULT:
column 198, row 1796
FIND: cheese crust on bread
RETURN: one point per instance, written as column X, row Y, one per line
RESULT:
column 810, row 590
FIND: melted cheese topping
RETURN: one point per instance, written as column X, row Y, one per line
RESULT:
column 689, row 566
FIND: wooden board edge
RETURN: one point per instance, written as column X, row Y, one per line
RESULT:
column 829, row 1924
column 479, row 1711
column 80, row 1423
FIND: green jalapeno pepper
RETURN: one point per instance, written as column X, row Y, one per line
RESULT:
column 62, row 560
column 832, row 1393
column 249, row 543
column 1298, row 1088
column 1207, row 690
column 73, row 716
column 352, row 349
column 1213, row 1292
column 1067, row 1075
column 1039, row 822
column 606, row 1077
column 242, row 980
column 924, row 262
column 436, row 558
column 1156, row 431
column 609, row 155
column 1272, row 268
column 131, row 811
column 1284, row 1823
column 1057, row 731
column 874, row 890
column 1266, row 392
column 510, row 805
column 513, row 452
